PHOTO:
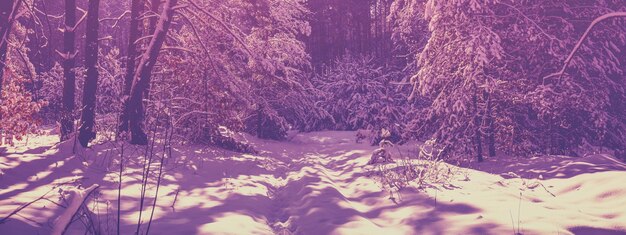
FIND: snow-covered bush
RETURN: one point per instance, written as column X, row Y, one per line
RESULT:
column 50, row 87
column 247, row 73
column 487, row 78
column 360, row 95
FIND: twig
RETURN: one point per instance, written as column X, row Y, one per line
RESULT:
column 519, row 209
column 512, row 223
column 223, row 24
column 544, row 187
column 30, row 203
column 146, row 173
column 116, row 19
column 119, row 189
column 166, row 145
column 24, row 206
column 582, row 39
column 64, row 221
column 174, row 202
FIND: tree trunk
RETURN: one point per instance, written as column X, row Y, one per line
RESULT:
column 491, row 133
column 477, row 124
column 259, row 121
column 86, row 131
column 130, row 58
column 69, row 84
column 132, row 46
column 133, row 109
column 154, row 9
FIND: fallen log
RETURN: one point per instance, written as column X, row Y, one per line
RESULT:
column 78, row 199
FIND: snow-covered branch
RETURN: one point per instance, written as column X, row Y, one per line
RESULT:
column 223, row 24
column 115, row 19
column 78, row 199
column 582, row 39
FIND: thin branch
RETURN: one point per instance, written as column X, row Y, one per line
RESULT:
column 195, row 33
column 582, row 39
column 116, row 19
column 165, row 48
column 30, row 203
column 24, row 206
column 221, row 23
column 531, row 21
column 85, row 13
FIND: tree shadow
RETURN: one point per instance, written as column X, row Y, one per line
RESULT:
column 16, row 226
column 591, row 230
column 549, row 167
column 51, row 166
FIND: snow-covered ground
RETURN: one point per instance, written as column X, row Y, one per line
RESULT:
column 317, row 183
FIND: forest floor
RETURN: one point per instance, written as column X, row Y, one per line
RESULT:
column 316, row 183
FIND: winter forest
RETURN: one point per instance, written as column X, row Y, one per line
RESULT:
column 312, row 117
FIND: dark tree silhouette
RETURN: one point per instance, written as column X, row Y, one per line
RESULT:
column 477, row 133
column 154, row 15
column 69, row 83
column 133, row 110
column 86, row 131
column 130, row 58
column 133, row 30
column 490, row 138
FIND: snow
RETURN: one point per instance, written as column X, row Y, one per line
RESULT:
column 317, row 183
column 78, row 197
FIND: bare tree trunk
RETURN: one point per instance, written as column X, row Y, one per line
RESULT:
column 133, row 109
column 152, row 23
column 130, row 58
column 491, row 139
column 154, row 9
column 133, row 30
column 477, row 124
column 69, row 84
column 86, row 131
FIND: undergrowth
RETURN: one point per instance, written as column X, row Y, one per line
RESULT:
column 420, row 167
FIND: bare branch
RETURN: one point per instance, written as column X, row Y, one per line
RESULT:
column 582, row 39
column 116, row 19
column 221, row 23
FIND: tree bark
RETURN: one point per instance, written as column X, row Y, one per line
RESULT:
column 69, row 83
column 152, row 23
column 132, row 46
column 477, row 134
column 130, row 58
column 491, row 133
column 86, row 132
column 154, row 9
column 133, row 109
